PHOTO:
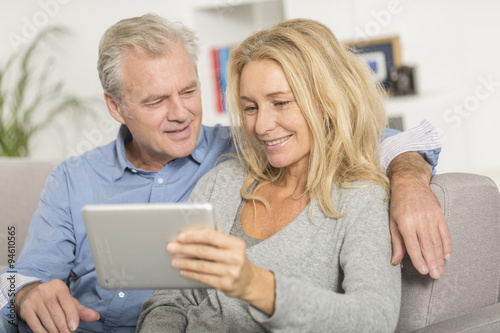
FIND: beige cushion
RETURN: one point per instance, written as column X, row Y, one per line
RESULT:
column 471, row 204
column 21, row 183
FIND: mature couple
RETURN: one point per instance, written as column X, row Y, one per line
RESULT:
column 306, row 241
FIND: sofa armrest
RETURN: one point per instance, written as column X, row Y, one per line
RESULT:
column 471, row 205
column 485, row 320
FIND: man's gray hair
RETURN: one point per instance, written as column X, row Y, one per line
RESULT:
column 151, row 35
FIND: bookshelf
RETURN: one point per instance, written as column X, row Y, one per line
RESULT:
column 221, row 25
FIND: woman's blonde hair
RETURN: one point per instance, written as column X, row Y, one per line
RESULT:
column 338, row 97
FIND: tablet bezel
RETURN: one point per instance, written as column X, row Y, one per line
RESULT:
column 128, row 242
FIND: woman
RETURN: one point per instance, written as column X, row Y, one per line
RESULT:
column 305, row 243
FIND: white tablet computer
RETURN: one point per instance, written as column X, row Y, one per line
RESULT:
column 128, row 242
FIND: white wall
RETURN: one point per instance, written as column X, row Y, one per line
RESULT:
column 77, row 58
column 452, row 43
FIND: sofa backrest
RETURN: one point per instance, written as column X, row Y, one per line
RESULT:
column 471, row 205
column 21, row 183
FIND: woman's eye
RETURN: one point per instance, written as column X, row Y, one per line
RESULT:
column 249, row 109
column 281, row 103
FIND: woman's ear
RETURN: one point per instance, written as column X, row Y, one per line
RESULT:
column 114, row 108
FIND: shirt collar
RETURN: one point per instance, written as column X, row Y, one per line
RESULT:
column 202, row 147
column 123, row 163
column 124, row 135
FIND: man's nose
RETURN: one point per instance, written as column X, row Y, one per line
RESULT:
column 176, row 110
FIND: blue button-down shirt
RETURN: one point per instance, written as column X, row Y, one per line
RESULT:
column 56, row 245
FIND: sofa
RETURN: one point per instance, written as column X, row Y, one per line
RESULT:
column 465, row 299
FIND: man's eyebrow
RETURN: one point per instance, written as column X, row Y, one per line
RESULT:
column 154, row 98
column 190, row 86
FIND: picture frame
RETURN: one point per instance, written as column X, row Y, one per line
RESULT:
column 381, row 54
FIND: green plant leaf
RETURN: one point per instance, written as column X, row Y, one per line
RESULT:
column 29, row 102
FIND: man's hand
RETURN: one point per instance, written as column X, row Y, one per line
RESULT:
column 49, row 307
column 416, row 218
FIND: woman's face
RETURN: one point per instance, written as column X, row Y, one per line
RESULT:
column 272, row 115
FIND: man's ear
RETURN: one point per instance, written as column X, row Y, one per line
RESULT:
column 114, row 108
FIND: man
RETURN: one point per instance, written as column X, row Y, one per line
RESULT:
column 147, row 67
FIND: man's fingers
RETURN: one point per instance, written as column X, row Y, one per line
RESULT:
column 398, row 246
column 53, row 319
column 432, row 251
column 427, row 249
column 446, row 240
column 48, row 322
column 33, row 322
column 70, row 314
column 52, row 313
column 85, row 313
column 414, row 251
column 50, row 307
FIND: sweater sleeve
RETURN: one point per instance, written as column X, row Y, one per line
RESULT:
column 165, row 311
column 203, row 189
column 371, row 285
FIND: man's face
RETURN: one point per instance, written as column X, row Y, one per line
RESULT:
column 161, row 106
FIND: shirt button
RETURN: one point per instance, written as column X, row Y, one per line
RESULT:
column 160, row 180
column 133, row 170
column 121, row 294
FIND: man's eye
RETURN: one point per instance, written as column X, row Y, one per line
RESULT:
column 156, row 103
column 188, row 92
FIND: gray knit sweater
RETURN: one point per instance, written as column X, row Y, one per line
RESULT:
column 332, row 275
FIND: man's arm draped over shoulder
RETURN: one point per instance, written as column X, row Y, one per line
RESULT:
column 416, row 220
